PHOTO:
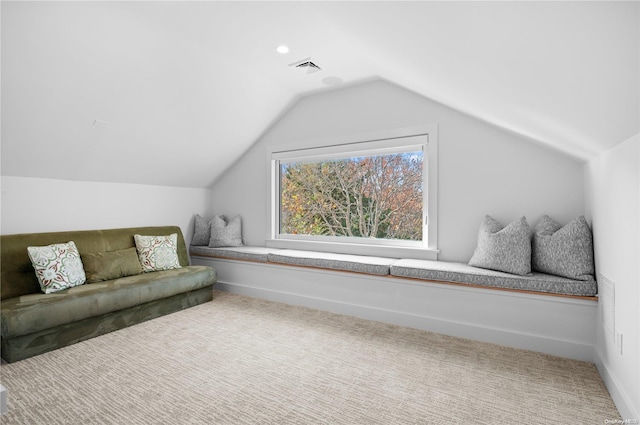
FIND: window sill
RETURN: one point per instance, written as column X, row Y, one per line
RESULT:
column 355, row 249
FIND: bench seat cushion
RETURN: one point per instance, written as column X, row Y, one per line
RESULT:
column 465, row 274
column 439, row 271
column 248, row 253
column 326, row 260
column 35, row 312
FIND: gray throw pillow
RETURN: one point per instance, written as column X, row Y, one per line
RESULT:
column 225, row 233
column 503, row 248
column 565, row 251
column 202, row 232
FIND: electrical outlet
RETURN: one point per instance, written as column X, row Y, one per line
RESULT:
column 619, row 342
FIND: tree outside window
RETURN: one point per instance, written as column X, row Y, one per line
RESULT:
column 376, row 196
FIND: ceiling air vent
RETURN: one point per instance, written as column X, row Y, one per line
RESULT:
column 306, row 65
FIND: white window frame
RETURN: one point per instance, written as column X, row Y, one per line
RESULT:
column 381, row 142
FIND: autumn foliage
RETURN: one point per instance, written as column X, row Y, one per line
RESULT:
column 371, row 197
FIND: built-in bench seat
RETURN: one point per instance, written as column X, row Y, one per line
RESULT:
column 433, row 271
column 541, row 313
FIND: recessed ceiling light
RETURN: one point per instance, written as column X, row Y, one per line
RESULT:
column 283, row 50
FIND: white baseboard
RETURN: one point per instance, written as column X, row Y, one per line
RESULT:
column 618, row 394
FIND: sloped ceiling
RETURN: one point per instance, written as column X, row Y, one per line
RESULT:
column 172, row 93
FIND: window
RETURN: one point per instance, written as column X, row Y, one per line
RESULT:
column 373, row 198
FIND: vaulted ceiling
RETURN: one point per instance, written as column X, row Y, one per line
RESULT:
column 172, row 93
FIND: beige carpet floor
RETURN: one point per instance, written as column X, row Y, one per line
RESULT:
column 239, row 360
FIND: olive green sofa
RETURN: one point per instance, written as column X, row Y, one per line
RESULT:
column 32, row 322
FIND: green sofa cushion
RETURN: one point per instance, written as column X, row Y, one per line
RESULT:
column 35, row 312
column 100, row 266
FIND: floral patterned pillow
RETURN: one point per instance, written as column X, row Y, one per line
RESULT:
column 57, row 266
column 158, row 252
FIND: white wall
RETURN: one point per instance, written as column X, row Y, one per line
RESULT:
column 31, row 205
column 612, row 182
column 482, row 169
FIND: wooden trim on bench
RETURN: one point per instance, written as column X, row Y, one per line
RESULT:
column 416, row 279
